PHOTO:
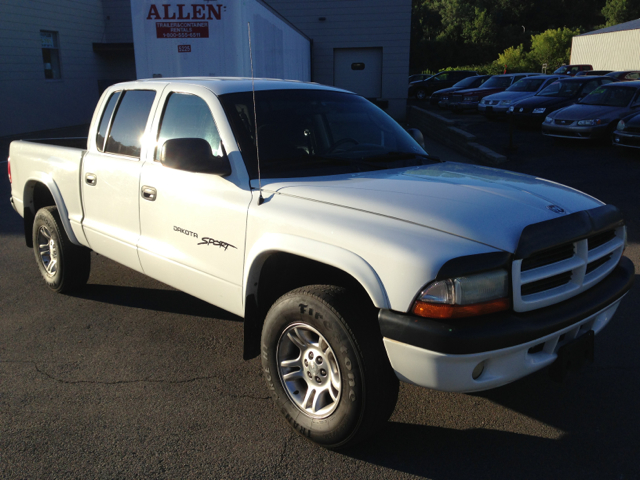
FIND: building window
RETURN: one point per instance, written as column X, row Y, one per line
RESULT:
column 50, row 54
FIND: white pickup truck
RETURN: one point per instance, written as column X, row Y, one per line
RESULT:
column 355, row 258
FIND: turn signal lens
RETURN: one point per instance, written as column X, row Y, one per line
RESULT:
column 467, row 296
column 441, row 310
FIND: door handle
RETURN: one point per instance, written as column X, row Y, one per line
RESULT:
column 91, row 179
column 149, row 193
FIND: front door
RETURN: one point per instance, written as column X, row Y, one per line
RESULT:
column 192, row 224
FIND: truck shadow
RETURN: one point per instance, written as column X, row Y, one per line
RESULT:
column 159, row 300
column 598, row 437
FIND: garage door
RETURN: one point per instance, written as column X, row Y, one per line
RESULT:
column 358, row 70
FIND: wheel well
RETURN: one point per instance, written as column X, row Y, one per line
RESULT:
column 281, row 273
column 38, row 197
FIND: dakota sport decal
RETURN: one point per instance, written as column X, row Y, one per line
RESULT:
column 204, row 240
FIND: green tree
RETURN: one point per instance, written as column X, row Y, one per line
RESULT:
column 620, row 11
column 552, row 47
column 514, row 59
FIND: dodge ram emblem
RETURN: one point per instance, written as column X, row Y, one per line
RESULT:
column 556, row 209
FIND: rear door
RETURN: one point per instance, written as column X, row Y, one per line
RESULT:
column 110, row 176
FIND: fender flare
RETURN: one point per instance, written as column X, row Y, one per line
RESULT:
column 50, row 183
column 332, row 255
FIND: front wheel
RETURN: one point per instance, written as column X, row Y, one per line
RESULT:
column 326, row 367
column 421, row 94
column 64, row 266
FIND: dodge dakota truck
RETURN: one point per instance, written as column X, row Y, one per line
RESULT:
column 355, row 258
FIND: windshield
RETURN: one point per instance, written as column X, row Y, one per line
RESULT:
column 466, row 82
column 317, row 132
column 563, row 70
column 609, row 96
column 561, row 89
column 497, row 82
column 527, row 85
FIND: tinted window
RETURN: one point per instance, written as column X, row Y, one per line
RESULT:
column 442, row 76
column 188, row 116
column 317, row 132
column 106, row 117
column 561, row 89
column 610, row 96
column 470, row 82
column 590, row 87
column 526, row 85
column 129, row 123
column 498, row 82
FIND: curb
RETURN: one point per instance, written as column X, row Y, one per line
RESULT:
column 444, row 130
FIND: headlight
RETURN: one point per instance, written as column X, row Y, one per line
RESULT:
column 511, row 108
column 470, row 99
column 539, row 110
column 548, row 120
column 584, row 123
column 444, row 98
column 505, row 102
column 621, row 125
column 482, row 102
column 464, row 296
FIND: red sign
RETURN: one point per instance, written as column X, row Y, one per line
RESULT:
column 182, row 29
column 184, row 48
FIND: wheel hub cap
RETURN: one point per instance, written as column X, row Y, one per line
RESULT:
column 308, row 370
column 48, row 251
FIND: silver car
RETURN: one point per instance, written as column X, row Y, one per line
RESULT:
column 597, row 114
column 499, row 103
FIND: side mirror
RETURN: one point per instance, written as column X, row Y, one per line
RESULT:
column 193, row 155
column 417, row 136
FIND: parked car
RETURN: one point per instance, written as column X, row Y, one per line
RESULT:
column 423, row 88
column 499, row 103
column 628, row 76
column 593, row 72
column 572, row 70
column 627, row 133
column 597, row 114
column 441, row 97
column 468, row 99
column 560, row 94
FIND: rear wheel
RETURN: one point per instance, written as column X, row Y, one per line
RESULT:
column 421, row 94
column 326, row 367
column 64, row 266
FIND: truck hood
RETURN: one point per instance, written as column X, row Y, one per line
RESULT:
column 486, row 205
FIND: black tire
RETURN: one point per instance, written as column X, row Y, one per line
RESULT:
column 421, row 94
column 360, row 387
column 64, row 266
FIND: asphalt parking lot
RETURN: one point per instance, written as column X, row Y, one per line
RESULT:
column 132, row 379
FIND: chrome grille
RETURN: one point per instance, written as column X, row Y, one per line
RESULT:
column 556, row 274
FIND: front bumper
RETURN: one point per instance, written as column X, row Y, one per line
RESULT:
column 443, row 354
column 493, row 109
column 463, row 106
column 574, row 131
column 623, row 139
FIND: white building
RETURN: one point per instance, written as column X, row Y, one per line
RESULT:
column 59, row 55
column 614, row 48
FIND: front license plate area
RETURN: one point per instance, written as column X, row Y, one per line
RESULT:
column 489, row 109
column 573, row 356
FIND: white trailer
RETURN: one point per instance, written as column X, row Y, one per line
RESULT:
column 211, row 39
